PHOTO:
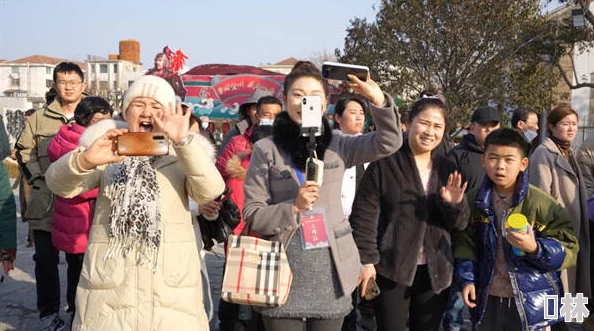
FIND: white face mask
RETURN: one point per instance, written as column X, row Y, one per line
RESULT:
column 331, row 122
column 204, row 125
column 530, row 135
column 266, row 121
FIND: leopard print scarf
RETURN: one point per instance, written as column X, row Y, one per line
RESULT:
column 135, row 219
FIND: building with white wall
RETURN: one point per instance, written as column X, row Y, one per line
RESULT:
column 23, row 84
column 578, row 66
column 29, row 77
column 111, row 75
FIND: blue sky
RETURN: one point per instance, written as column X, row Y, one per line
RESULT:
column 224, row 31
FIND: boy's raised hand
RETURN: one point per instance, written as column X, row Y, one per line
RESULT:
column 453, row 192
column 468, row 294
column 523, row 240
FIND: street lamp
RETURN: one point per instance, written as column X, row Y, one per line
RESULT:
column 578, row 18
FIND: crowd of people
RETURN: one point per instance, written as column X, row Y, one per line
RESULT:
column 423, row 225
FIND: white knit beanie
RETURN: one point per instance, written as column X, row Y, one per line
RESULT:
column 151, row 87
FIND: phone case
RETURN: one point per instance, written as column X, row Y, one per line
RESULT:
column 311, row 113
column 143, row 144
column 339, row 71
column 373, row 290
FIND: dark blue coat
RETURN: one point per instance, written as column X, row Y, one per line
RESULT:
column 532, row 276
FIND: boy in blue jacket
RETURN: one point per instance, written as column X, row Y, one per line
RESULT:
column 507, row 288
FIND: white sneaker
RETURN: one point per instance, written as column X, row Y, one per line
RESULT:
column 52, row 323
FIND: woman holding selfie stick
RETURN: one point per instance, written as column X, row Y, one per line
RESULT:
column 141, row 270
column 277, row 196
column 404, row 210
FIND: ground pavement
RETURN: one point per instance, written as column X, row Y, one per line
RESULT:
column 18, row 310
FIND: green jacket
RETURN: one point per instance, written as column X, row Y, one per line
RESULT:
column 7, row 203
column 532, row 276
column 31, row 147
column 544, row 214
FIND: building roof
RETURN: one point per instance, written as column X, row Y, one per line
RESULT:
column 44, row 59
column 228, row 69
column 290, row 61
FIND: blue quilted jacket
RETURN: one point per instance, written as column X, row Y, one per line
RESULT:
column 532, row 276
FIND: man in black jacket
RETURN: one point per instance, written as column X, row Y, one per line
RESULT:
column 467, row 158
column 467, row 155
column 247, row 117
column 526, row 121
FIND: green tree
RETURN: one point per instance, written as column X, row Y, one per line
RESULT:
column 473, row 51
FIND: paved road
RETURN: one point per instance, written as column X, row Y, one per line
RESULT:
column 18, row 298
column 18, row 309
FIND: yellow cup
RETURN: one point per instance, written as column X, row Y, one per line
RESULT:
column 517, row 223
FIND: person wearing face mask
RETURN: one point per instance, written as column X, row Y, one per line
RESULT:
column 199, row 124
column 526, row 121
column 233, row 163
column 278, row 198
column 141, row 270
column 267, row 108
column 204, row 123
column 247, row 118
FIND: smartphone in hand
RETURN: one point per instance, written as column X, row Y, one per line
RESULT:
column 372, row 290
column 311, row 115
column 143, row 144
column 314, row 170
column 339, row 71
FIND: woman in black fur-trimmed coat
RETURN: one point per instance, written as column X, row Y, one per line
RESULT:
column 276, row 196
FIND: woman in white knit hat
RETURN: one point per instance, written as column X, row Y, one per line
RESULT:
column 141, row 269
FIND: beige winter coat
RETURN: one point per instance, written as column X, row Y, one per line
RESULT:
column 117, row 293
column 551, row 172
column 31, row 147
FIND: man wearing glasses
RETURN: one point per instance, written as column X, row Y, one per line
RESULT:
column 32, row 156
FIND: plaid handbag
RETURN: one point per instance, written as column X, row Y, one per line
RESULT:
column 257, row 272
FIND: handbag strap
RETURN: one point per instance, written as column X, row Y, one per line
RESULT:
column 246, row 229
column 246, row 232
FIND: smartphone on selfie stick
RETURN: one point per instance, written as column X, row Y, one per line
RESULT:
column 339, row 71
column 311, row 126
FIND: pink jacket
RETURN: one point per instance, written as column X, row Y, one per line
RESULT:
column 72, row 217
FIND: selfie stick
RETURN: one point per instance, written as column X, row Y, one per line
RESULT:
column 311, row 145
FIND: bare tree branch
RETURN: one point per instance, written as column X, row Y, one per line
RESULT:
column 566, row 79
